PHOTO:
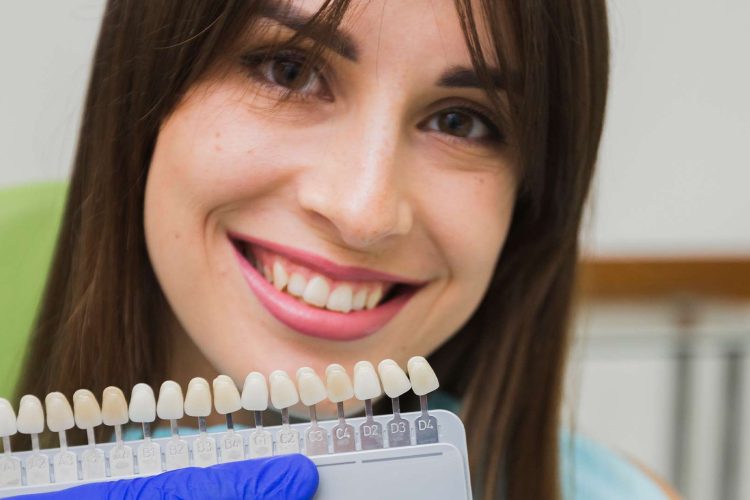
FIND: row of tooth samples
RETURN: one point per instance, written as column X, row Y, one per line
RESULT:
column 171, row 406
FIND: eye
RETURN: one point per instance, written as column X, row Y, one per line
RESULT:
column 465, row 124
column 285, row 71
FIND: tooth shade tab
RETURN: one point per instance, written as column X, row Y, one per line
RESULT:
column 59, row 413
column 422, row 376
column 338, row 384
column 283, row 392
column 86, row 408
column 393, row 378
column 366, row 383
column 142, row 404
column 8, row 426
column 226, row 396
column 30, row 415
column 198, row 398
column 311, row 388
column 114, row 407
column 170, row 403
column 255, row 392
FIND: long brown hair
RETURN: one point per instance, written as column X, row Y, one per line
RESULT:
column 96, row 323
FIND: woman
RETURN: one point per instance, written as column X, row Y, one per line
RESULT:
column 263, row 184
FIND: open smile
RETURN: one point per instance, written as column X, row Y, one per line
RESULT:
column 317, row 297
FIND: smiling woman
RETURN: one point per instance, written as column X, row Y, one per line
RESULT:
column 264, row 185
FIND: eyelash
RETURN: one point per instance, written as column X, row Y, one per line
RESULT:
column 253, row 61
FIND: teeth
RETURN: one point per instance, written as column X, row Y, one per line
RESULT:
column 283, row 392
column 170, row 405
column 338, row 384
column 267, row 273
column 226, row 396
column 393, row 378
column 255, row 392
column 366, row 383
column 59, row 412
column 30, row 415
column 114, row 407
column 8, row 425
column 280, row 277
column 316, row 292
column 86, row 409
column 311, row 388
column 340, row 299
column 374, row 297
column 198, row 398
column 142, row 404
column 422, row 376
column 297, row 284
column 358, row 302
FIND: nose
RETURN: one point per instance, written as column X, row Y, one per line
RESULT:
column 353, row 186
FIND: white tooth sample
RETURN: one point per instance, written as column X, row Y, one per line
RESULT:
column 422, row 376
column 366, row 383
column 283, row 392
column 114, row 407
column 297, row 285
column 374, row 297
column 359, row 299
column 255, row 392
column 198, row 398
column 59, row 413
column 280, row 277
column 226, row 396
column 393, row 378
column 142, row 407
column 86, row 408
column 8, row 426
column 316, row 292
column 338, row 384
column 340, row 299
column 30, row 415
column 311, row 388
column 170, row 403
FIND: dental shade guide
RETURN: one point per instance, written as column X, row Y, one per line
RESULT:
column 60, row 419
column 142, row 410
column 423, row 381
column 284, row 395
column 255, row 399
column 367, row 388
column 395, row 383
column 170, row 406
column 311, row 392
column 351, row 453
column 339, row 387
column 226, row 402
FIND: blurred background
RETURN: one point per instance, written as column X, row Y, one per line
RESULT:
column 660, row 369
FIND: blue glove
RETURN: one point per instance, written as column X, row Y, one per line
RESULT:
column 274, row 478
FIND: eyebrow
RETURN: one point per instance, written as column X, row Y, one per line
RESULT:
column 343, row 44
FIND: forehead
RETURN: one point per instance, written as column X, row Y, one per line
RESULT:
column 419, row 28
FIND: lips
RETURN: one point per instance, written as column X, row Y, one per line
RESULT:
column 318, row 297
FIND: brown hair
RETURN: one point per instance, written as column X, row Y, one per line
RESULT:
column 95, row 327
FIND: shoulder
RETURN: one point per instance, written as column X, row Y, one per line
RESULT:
column 591, row 470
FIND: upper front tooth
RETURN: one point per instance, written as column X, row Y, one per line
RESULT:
column 374, row 297
column 358, row 302
column 280, row 277
column 316, row 292
column 340, row 299
column 297, row 284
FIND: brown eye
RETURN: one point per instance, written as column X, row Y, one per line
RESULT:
column 462, row 123
column 286, row 69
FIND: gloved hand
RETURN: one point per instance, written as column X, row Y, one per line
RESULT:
column 274, row 478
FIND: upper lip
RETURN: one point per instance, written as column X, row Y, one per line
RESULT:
column 323, row 265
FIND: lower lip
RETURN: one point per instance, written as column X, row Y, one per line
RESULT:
column 317, row 322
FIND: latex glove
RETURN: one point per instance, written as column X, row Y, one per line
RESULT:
column 274, row 478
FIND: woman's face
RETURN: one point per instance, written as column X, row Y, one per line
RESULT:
column 377, row 198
